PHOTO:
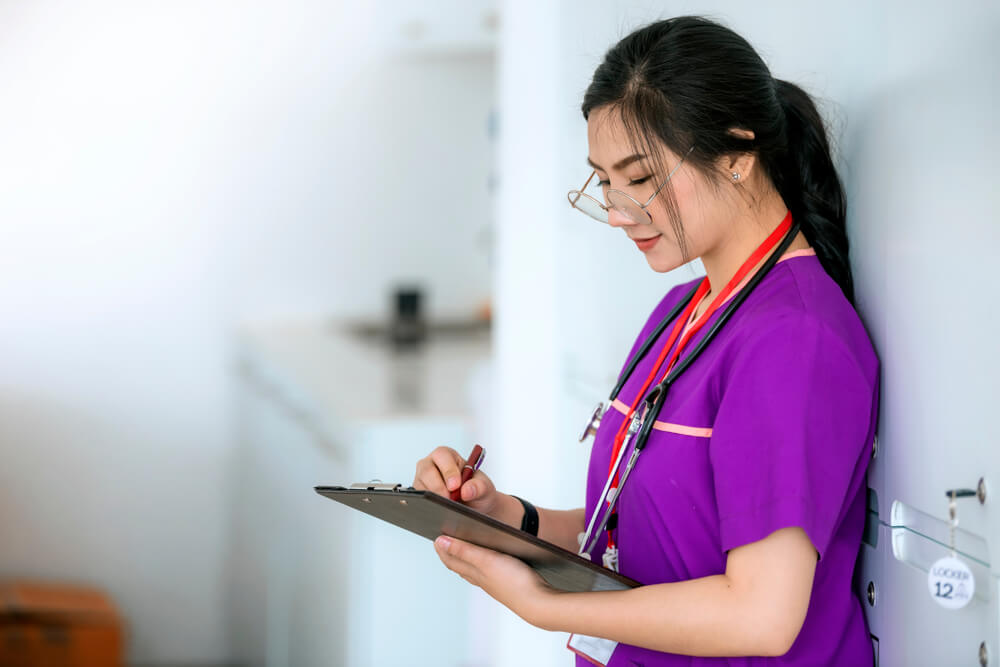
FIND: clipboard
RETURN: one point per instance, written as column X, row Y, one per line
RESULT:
column 430, row 515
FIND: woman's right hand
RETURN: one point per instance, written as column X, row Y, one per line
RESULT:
column 441, row 473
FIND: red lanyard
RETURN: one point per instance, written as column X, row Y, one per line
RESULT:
column 762, row 250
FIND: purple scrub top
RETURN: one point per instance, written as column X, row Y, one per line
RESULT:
column 770, row 427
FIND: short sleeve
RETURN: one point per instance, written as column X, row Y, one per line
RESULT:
column 789, row 444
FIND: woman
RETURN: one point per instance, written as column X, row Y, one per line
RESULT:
column 743, row 517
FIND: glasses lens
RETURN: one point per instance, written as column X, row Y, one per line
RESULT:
column 628, row 207
column 584, row 202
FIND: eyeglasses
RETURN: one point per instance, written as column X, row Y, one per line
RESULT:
column 618, row 200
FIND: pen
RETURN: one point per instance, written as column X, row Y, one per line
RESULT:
column 471, row 466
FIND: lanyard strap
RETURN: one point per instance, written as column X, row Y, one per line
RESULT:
column 766, row 246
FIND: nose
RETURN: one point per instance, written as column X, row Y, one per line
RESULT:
column 618, row 219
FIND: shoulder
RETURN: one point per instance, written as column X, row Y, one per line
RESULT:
column 798, row 314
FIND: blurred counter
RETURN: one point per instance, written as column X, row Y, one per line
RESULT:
column 345, row 373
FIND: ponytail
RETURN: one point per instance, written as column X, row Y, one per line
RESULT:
column 807, row 180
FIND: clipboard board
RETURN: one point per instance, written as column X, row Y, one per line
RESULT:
column 430, row 515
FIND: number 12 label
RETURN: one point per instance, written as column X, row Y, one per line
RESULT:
column 951, row 583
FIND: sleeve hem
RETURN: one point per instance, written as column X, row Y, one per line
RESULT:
column 756, row 523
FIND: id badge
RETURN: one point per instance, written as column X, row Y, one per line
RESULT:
column 592, row 649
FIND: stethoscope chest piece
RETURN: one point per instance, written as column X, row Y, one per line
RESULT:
column 593, row 423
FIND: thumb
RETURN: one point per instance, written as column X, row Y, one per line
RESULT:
column 474, row 488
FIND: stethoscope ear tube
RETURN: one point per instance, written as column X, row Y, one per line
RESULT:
column 605, row 505
column 652, row 404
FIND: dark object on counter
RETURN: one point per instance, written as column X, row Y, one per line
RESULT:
column 48, row 624
column 407, row 327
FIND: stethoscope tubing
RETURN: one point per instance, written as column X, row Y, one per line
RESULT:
column 590, row 536
column 654, row 400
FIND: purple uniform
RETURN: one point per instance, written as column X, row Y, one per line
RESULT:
column 770, row 427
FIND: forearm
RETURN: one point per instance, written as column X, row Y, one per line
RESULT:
column 559, row 527
column 700, row 617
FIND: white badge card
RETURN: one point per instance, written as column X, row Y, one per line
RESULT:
column 951, row 583
column 595, row 650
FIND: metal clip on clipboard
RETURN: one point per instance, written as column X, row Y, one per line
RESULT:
column 374, row 485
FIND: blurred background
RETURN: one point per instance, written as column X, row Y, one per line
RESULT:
column 224, row 224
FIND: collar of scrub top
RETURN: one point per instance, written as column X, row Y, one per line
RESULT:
column 643, row 420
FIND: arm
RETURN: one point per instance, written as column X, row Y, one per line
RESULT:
column 757, row 607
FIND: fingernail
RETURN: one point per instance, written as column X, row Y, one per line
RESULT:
column 453, row 482
column 444, row 541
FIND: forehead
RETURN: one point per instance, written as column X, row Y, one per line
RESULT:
column 606, row 132
column 609, row 141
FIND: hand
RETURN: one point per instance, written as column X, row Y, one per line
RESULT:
column 504, row 578
column 441, row 473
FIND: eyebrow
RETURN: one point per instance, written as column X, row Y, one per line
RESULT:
column 621, row 164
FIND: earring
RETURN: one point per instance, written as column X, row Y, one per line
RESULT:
column 736, row 176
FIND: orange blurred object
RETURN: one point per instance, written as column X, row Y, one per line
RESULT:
column 48, row 625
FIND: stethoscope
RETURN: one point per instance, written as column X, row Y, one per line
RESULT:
column 641, row 426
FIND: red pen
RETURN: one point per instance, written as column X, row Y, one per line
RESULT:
column 471, row 466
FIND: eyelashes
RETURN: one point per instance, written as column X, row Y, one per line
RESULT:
column 633, row 182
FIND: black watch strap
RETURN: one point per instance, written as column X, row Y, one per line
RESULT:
column 529, row 523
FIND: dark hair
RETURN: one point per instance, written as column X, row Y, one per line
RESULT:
column 687, row 82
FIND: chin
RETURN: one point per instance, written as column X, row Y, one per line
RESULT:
column 664, row 262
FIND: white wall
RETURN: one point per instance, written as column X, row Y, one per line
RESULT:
column 925, row 253
column 523, row 460
column 168, row 171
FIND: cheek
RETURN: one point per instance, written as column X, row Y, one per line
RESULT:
column 695, row 207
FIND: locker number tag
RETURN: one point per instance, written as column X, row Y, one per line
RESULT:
column 951, row 583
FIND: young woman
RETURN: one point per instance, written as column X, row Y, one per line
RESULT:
column 743, row 516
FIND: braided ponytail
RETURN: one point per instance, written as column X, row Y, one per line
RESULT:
column 808, row 182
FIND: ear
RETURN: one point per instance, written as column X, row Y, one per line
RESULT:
column 740, row 163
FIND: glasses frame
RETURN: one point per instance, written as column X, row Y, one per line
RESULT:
column 642, row 207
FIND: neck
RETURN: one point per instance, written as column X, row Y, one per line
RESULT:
column 747, row 232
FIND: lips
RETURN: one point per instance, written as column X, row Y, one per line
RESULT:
column 646, row 243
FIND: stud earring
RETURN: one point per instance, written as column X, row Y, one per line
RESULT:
column 736, row 176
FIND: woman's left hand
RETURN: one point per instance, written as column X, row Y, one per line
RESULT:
column 505, row 578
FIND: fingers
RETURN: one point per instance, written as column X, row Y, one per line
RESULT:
column 460, row 557
column 435, row 471
column 449, row 465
